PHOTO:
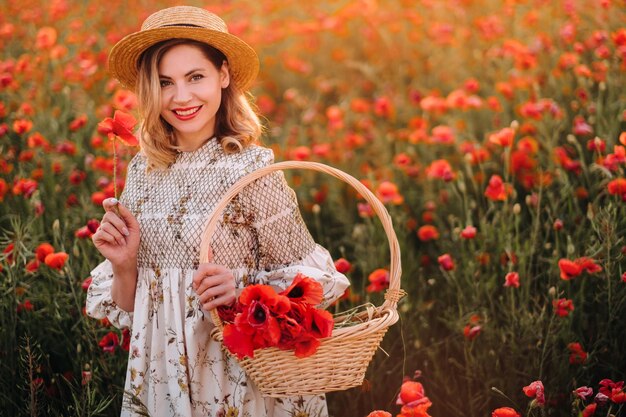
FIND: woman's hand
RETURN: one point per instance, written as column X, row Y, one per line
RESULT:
column 215, row 285
column 117, row 238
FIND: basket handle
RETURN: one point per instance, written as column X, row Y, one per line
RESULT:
column 394, row 292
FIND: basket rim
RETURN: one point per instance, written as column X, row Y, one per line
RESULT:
column 393, row 293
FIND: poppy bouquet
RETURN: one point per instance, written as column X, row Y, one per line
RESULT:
column 288, row 320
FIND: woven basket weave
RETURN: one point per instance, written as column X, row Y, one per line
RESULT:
column 341, row 359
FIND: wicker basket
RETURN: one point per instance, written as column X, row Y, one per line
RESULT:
column 341, row 359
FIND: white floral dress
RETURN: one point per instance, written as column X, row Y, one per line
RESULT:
column 175, row 368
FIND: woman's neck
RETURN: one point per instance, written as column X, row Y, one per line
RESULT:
column 190, row 144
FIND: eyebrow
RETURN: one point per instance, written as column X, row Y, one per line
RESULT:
column 186, row 75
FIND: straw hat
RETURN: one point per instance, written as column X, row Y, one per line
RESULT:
column 189, row 23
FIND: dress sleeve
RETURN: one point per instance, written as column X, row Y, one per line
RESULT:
column 284, row 245
column 100, row 305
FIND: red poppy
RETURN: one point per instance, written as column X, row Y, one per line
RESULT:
column 505, row 412
column 25, row 187
column 119, row 127
column 442, row 134
column 446, row 262
column 469, row 232
column 86, row 283
column 8, row 252
column 383, row 107
column 25, row 306
column 306, row 345
column 566, row 161
column 569, row 269
column 411, row 393
column 618, row 187
column 420, row 410
column 440, row 169
column 511, row 280
column 583, row 392
column 56, row 260
column 577, row 356
column 125, row 100
column 32, row 266
column 125, row 345
column 78, row 122
column 613, row 390
column 227, row 313
column 4, row 188
column 109, row 342
column 301, row 153
column 22, row 126
column 290, row 330
column 387, row 192
column 343, row 265
column 522, row 162
column 618, row 396
column 77, row 176
column 471, row 332
column 498, row 190
column 237, row 342
column 265, row 295
column 562, row 307
column 589, row 410
column 319, row 323
column 557, row 225
column 581, row 127
column 46, row 38
column 304, row 290
column 589, row 265
column 379, row 280
column 535, row 390
column 379, row 413
column 98, row 197
column 503, row 137
column 427, row 232
column 257, row 320
column 86, row 377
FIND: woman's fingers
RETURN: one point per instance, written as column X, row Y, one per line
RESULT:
column 218, row 301
column 215, row 281
column 206, row 270
column 214, row 285
column 127, row 217
column 109, row 231
column 216, row 292
column 112, row 219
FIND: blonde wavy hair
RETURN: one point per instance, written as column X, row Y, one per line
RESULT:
column 236, row 122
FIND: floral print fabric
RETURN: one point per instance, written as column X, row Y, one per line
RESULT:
column 175, row 368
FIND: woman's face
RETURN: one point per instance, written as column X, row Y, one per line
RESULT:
column 191, row 92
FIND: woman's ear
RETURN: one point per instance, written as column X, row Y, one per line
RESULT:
column 224, row 75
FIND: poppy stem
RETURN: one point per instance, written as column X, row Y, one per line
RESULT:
column 114, row 167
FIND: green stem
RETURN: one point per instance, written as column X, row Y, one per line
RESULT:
column 114, row 168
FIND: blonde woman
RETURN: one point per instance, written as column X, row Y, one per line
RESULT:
column 199, row 135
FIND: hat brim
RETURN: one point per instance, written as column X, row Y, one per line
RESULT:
column 243, row 61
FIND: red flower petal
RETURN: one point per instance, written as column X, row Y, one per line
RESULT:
column 126, row 120
column 238, row 343
column 319, row 323
column 306, row 346
column 304, row 290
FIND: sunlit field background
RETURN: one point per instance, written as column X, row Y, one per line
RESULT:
column 493, row 131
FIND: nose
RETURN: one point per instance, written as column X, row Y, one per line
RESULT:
column 182, row 94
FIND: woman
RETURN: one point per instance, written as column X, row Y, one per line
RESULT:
column 198, row 137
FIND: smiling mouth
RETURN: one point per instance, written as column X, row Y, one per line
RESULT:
column 186, row 112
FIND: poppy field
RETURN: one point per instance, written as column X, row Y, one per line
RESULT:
column 493, row 130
